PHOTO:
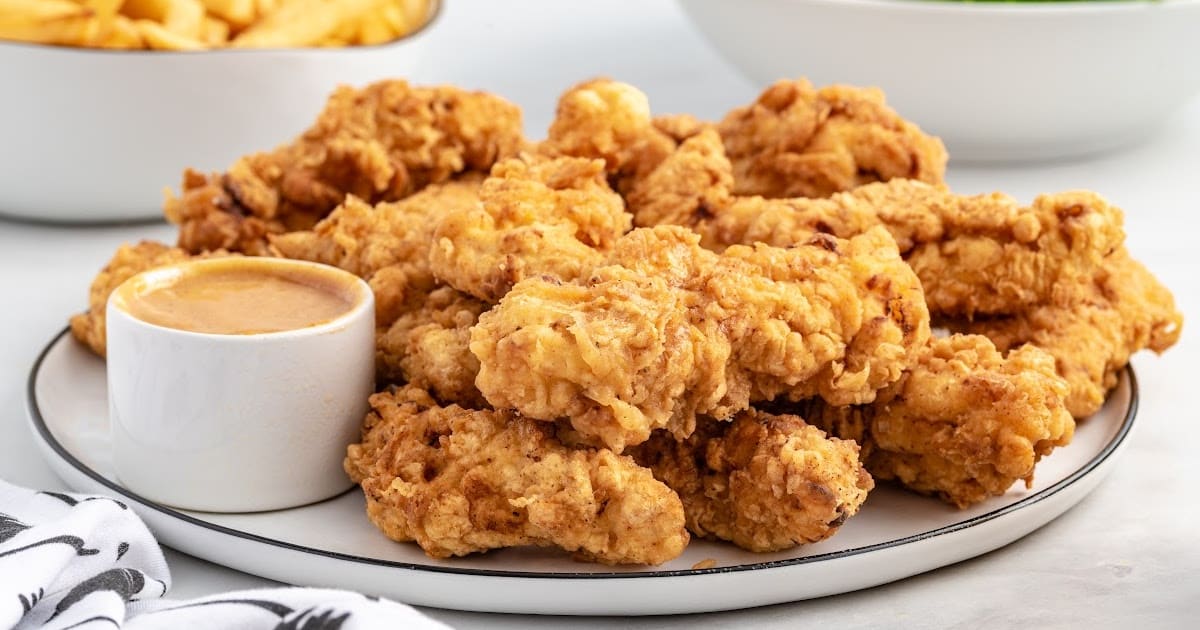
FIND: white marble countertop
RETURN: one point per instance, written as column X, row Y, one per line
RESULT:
column 1126, row 556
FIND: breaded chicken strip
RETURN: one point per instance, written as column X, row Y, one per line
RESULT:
column 611, row 121
column 1095, row 329
column 423, row 326
column 459, row 482
column 379, row 143
column 764, row 482
column 393, row 236
column 976, row 254
column 794, row 140
column 537, row 215
column 428, row 345
column 128, row 261
column 363, row 238
column 964, row 423
column 798, row 141
column 668, row 330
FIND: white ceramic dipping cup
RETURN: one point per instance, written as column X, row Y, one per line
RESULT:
column 237, row 422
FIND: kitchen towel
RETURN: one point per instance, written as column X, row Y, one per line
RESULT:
column 88, row 562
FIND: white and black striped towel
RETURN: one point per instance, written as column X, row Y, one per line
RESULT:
column 88, row 562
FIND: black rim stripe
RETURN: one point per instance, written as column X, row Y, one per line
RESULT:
column 44, row 431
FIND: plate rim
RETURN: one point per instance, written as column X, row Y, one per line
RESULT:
column 39, row 425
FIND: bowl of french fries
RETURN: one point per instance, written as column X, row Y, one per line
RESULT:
column 107, row 100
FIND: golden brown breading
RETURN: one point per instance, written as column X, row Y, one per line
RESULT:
column 128, row 261
column 378, row 143
column 1095, row 329
column 979, row 254
column 686, row 186
column 363, row 239
column 459, row 481
column 393, row 236
column 428, row 345
column 799, row 141
column 609, row 120
column 538, row 215
column 764, row 482
column 668, row 330
column 963, row 423
column 974, row 254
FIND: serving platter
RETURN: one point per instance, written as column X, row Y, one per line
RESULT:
column 331, row 543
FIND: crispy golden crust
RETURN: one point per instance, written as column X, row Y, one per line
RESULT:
column 459, row 481
column 974, row 254
column 1095, row 328
column 553, row 216
column 981, row 254
column 668, row 330
column 429, row 346
column 963, row 423
column 764, row 482
column 378, row 143
column 799, row 141
column 609, row 120
column 128, row 261
column 386, row 244
column 363, row 238
column 686, row 186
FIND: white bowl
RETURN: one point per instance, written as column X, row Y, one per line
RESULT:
column 238, row 422
column 998, row 82
column 94, row 136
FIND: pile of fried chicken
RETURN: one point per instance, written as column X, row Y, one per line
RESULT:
column 646, row 328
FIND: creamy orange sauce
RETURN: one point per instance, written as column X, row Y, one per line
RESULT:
column 240, row 297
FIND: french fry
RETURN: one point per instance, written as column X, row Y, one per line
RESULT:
column 201, row 24
column 237, row 13
column 396, row 17
column 185, row 17
column 57, row 22
column 374, row 29
column 158, row 37
column 20, row 13
column 155, row 10
column 300, row 23
column 333, row 42
column 106, row 15
column 216, row 32
column 123, row 35
column 416, row 12
column 264, row 7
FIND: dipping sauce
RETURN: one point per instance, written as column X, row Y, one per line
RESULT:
column 241, row 296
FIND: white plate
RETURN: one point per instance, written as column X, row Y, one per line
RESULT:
column 896, row 535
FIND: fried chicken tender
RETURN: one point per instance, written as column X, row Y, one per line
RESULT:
column 794, row 140
column 423, row 326
column 363, row 238
column 379, row 143
column 611, row 121
column 799, row 141
column 980, row 254
column 1094, row 330
column 686, row 186
column 764, row 482
column 553, row 216
column 963, row 423
column 667, row 330
column 128, row 261
column 393, row 236
column 428, row 345
column 459, row 482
